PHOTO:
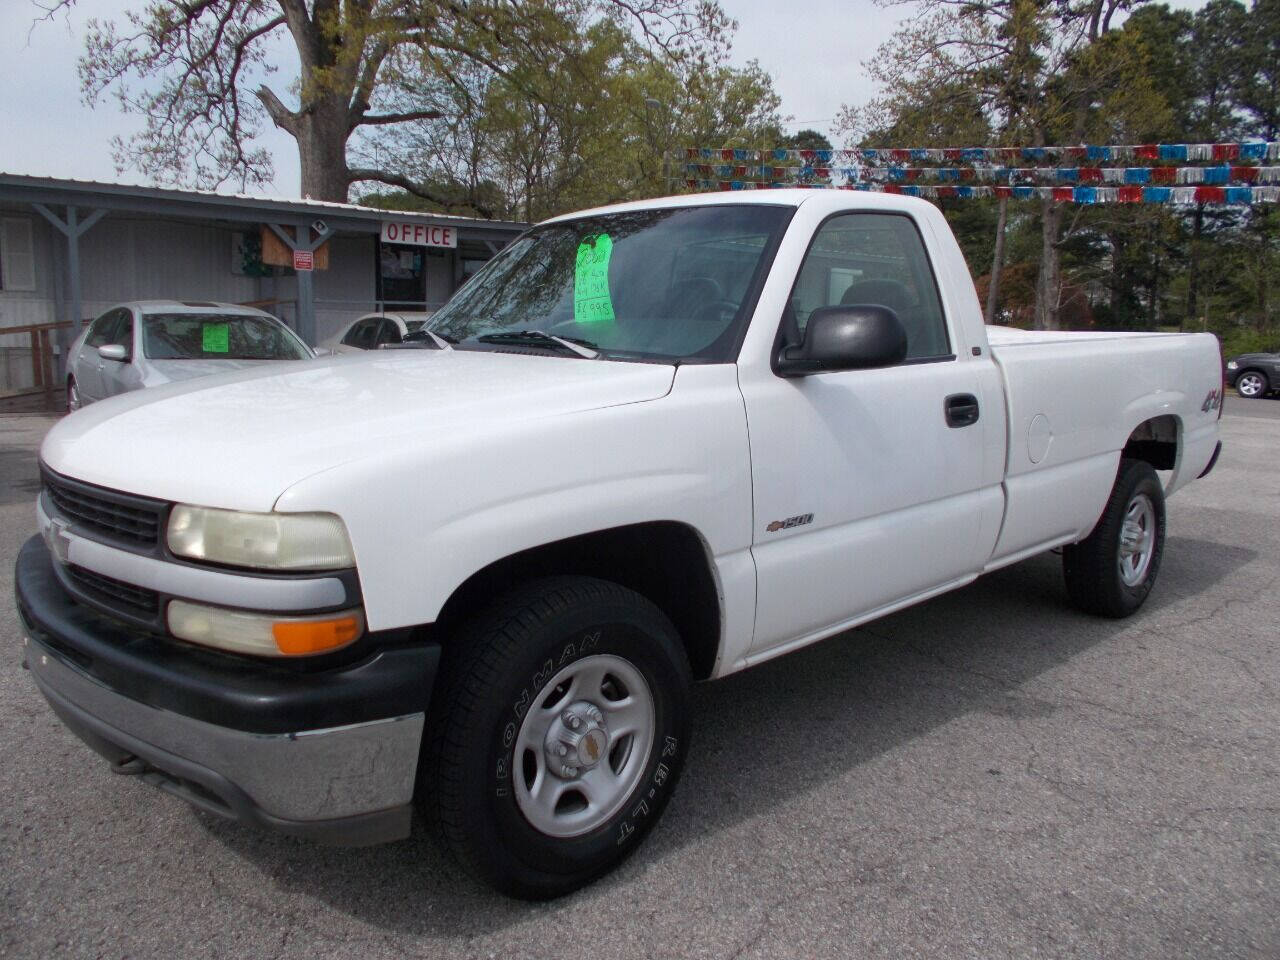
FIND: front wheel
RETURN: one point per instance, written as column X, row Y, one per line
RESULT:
column 1252, row 384
column 559, row 734
column 1112, row 570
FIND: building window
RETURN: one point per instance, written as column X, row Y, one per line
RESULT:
column 17, row 255
column 401, row 276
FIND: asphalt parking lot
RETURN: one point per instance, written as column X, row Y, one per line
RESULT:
column 987, row 775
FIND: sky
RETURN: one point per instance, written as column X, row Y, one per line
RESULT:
column 815, row 59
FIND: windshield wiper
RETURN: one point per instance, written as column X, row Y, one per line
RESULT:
column 583, row 348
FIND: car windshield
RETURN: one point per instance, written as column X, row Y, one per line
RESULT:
column 212, row 336
column 671, row 284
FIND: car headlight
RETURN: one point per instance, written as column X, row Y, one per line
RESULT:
column 268, row 541
column 1231, row 364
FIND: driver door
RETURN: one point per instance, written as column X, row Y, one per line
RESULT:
column 868, row 489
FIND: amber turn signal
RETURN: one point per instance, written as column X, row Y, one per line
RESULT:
column 300, row 638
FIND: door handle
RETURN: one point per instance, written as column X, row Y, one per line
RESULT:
column 961, row 409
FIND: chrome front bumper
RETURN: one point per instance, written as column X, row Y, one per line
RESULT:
column 349, row 785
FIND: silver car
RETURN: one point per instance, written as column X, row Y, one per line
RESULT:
column 150, row 342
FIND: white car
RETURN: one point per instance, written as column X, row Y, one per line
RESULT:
column 376, row 330
column 652, row 444
column 147, row 343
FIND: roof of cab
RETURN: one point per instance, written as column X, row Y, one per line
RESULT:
column 192, row 306
column 788, row 197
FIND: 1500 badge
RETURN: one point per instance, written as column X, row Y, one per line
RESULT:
column 787, row 524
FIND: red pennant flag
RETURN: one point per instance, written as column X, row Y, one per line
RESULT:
column 967, row 173
column 690, row 153
column 1004, row 191
column 1075, row 153
column 951, row 153
column 946, row 191
column 691, row 184
column 1164, row 174
column 1064, row 194
column 1129, row 194
column 892, row 188
column 900, row 154
column 1090, row 174
column 1244, row 174
column 807, row 155
column 1211, row 195
column 913, row 173
column 726, row 185
column 1226, row 151
column 1147, row 151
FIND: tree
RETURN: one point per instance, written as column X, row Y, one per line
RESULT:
column 574, row 144
column 1033, row 72
column 199, row 73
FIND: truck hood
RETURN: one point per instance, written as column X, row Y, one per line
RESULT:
column 239, row 440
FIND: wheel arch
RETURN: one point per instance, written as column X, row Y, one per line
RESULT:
column 1156, row 440
column 666, row 561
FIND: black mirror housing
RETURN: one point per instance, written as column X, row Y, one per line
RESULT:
column 851, row 337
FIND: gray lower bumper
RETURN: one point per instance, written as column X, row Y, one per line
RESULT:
column 350, row 785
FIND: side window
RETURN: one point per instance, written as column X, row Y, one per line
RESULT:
column 367, row 334
column 104, row 329
column 874, row 258
column 122, row 331
column 351, row 338
column 388, row 332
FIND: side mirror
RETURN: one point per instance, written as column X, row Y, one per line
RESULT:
column 113, row 351
column 854, row 337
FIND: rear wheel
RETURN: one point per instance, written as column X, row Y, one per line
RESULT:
column 1112, row 570
column 558, row 736
column 1252, row 384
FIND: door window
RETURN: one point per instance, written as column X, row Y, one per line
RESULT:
column 122, row 332
column 877, row 259
column 388, row 332
column 103, row 329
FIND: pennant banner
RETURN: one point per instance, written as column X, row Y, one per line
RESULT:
column 1129, row 193
column 1219, row 176
column 1250, row 150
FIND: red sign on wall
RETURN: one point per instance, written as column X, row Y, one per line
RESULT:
column 418, row 234
column 304, row 260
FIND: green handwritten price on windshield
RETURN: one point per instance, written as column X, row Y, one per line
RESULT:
column 216, row 337
column 591, row 300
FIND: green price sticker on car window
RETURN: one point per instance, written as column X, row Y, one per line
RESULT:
column 591, row 300
column 217, row 337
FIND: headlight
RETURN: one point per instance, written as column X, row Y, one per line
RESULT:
column 270, row 541
column 1231, row 364
column 261, row 633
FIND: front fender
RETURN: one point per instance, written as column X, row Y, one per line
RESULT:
column 422, row 519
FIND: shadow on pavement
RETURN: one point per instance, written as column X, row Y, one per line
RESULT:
column 770, row 734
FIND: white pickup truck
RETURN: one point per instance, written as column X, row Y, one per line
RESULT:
column 647, row 445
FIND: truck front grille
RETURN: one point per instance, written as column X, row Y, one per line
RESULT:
column 117, row 516
column 115, row 594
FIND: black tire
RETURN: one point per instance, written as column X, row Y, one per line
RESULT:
column 502, row 661
column 1092, row 567
column 1252, row 378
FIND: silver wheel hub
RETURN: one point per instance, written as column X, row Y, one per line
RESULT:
column 577, row 740
column 1250, row 384
column 583, row 745
column 1137, row 539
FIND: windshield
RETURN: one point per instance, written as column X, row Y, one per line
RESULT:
column 211, row 336
column 667, row 284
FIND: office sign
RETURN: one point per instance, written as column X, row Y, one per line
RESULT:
column 419, row 234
